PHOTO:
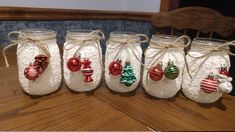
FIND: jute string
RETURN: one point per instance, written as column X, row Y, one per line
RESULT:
column 80, row 42
column 210, row 51
column 26, row 40
column 162, row 47
column 121, row 43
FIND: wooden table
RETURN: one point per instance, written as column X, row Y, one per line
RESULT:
column 102, row 109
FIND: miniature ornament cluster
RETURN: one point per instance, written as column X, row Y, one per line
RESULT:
column 214, row 82
column 34, row 70
column 75, row 64
column 127, row 74
column 171, row 72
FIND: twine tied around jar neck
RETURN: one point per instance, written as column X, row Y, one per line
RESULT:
column 210, row 51
column 81, row 42
column 128, row 42
column 163, row 46
column 26, row 40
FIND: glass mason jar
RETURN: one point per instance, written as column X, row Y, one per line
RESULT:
column 208, row 69
column 82, row 59
column 164, row 64
column 32, row 43
column 123, row 61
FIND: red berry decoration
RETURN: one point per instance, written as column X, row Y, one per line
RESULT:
column 115, row 68
column 41, row 61
column 223, row 70
column 31, row 72
column 156, row 73
column 74, row 64
column 209, row 84
column 87, row 70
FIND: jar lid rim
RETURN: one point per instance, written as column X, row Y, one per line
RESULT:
column 201, row 39
column 38, row 31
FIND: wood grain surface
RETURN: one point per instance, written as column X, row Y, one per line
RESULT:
column 102, row 109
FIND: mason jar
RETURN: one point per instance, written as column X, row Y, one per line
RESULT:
column 123, row 61
column 164, row 65
column 208, row 66
column 82, row 59
column 38, row 76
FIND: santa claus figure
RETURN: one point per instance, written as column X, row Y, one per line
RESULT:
column 224, row 80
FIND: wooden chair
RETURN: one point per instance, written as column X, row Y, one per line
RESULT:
column 203, row 20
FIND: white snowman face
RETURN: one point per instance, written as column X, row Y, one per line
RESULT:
column 225, row 85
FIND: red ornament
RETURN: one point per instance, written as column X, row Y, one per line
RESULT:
column 209, row 84
column 87, row 70
column 156, row 73
column 31, row 72
column 41, row 61
column 115, row 68
column 223, row 70
column 74, row 64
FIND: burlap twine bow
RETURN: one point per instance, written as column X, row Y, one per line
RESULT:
column 210, row 51
column 121, row 43
column 162, row 47
column 26, row 40
column 95, row 35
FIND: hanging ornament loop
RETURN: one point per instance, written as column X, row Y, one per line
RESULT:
column 129, row 43
column 95, row 35
column 164, row 47
column 26, row 40
column 210, row 51
column 92, row 36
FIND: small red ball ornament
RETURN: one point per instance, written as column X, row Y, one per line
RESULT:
column 31, row 72
column 209, row 84
column 87, row 70
column 115, row 68
column 156, row 73
column 74, row 64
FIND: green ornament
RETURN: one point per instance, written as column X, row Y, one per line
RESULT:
column 171, row 71
column 127, row 76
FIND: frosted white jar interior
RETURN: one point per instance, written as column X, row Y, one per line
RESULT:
column 90, row 50
column 191, row 87
column 125, row 54
column 164, row 88
column 49, row 81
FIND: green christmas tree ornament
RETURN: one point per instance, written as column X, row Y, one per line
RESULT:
column 171, row 71
column 128, row 75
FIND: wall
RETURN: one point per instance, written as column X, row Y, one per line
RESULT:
column 116, row 5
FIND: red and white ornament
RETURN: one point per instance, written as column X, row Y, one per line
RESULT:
column 115, row 68
column 31, row 72
column 74, row 63
column 209, row 84
column 87, row 70
column 156, row 73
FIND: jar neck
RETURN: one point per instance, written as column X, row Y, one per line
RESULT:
column 81, row 34
column 207, row 42
column 165, row 39
column 37, row 34
column 124, row 36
